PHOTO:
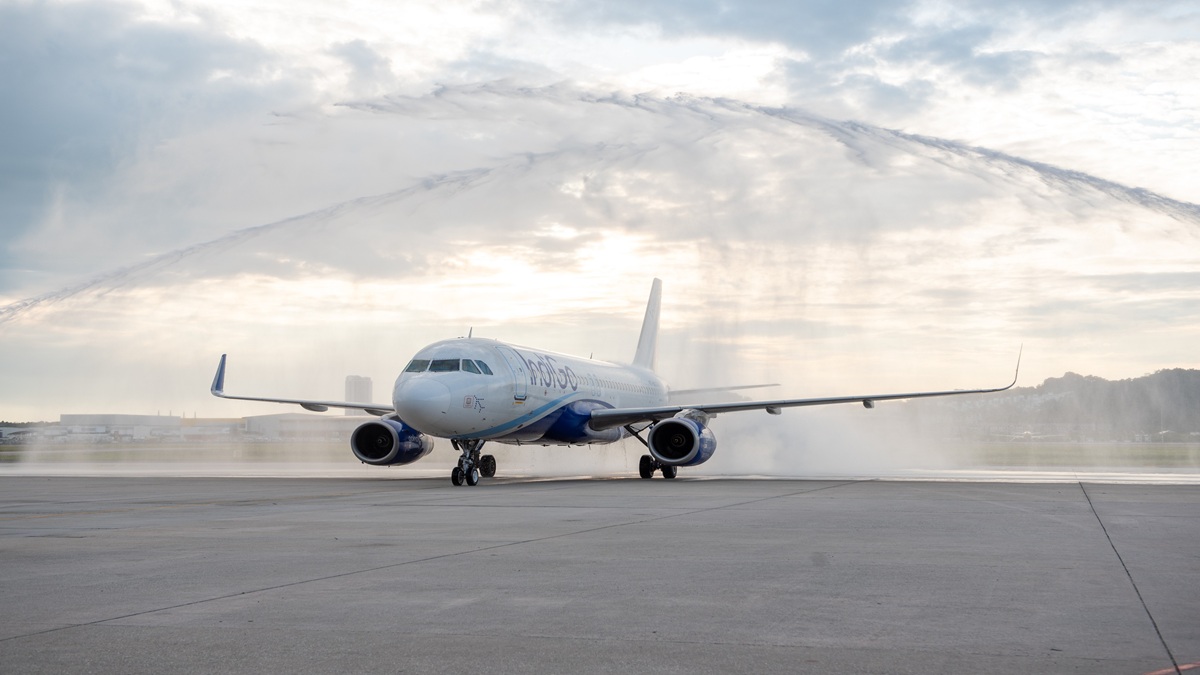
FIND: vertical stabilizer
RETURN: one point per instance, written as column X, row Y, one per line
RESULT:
column 648, row 341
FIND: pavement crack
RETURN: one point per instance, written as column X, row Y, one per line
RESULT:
column 1161, row 639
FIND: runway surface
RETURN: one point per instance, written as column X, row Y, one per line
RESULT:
column 306, row 575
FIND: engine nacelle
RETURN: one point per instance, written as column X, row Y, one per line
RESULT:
column 681, row 441
column 388, row 442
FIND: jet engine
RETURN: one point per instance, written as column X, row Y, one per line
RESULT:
column 389, row 442
column 681, row 441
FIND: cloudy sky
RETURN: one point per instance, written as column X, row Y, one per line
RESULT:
column 845, row 197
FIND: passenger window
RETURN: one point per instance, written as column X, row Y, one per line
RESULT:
column 443, row 366
column 417, row 366
column 484, row 367
column 469, row 366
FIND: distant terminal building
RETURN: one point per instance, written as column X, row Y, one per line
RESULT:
column 123, row 428
column 115, row 428
column 212, row 428
column 300, row 427
column 108, row 428
column 358, row 390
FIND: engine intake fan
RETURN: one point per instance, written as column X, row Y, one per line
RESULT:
column 681, row 441
column 389, row 442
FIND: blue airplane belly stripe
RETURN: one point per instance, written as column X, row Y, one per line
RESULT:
column 531, row 417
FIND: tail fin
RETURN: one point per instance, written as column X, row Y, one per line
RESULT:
column 648, row 341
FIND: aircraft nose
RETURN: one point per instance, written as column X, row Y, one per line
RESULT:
column 422, row 403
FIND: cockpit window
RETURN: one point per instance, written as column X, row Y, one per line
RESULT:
column 443, row 365
column 448, row 366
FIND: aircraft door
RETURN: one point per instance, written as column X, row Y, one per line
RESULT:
column 519, row 370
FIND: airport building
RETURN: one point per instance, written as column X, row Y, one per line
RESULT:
column 13, row 434
column 358, row 390
column 111, row 428
column 212, row 428
column 300, row 427
column 116, row 428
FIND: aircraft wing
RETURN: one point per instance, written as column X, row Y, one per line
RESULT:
column 218, row 390
column 619, row 417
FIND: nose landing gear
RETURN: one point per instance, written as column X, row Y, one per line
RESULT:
column 471, row 466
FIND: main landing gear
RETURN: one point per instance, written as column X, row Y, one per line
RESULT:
column 648, row 465
column 471, row 466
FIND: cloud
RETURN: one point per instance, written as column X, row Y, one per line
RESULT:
column 820, row 27
column 795, row 247
column 964, row 51
column 620, row 159
column 945, row 180
column 121, row 101
column 370, row 70
column 844, row 45
column 88, row 86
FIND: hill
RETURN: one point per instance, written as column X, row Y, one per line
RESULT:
column 1163, row 406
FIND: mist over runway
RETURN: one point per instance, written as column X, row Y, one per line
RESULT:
column 814, row 454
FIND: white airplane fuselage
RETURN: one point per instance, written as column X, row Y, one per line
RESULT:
column 530, row 395
column 473, row 391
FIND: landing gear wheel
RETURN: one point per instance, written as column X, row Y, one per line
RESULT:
column 487, row 466
column 646, row 467
column 470, row 463
column 669, row 472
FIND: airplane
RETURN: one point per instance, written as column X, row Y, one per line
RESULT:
column 473, row 391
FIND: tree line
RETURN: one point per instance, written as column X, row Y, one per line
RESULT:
column 1163, row 406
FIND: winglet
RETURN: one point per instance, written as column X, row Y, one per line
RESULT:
column 218, row 385
column 648, row 340
column 1017, row 374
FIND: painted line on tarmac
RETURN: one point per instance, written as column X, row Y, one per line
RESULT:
column 1176, row 668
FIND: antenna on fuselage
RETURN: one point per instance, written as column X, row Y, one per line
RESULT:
column 470, row 331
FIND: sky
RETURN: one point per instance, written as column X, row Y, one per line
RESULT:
column 843, row 197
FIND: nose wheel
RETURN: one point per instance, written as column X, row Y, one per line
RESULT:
column 471, row 466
